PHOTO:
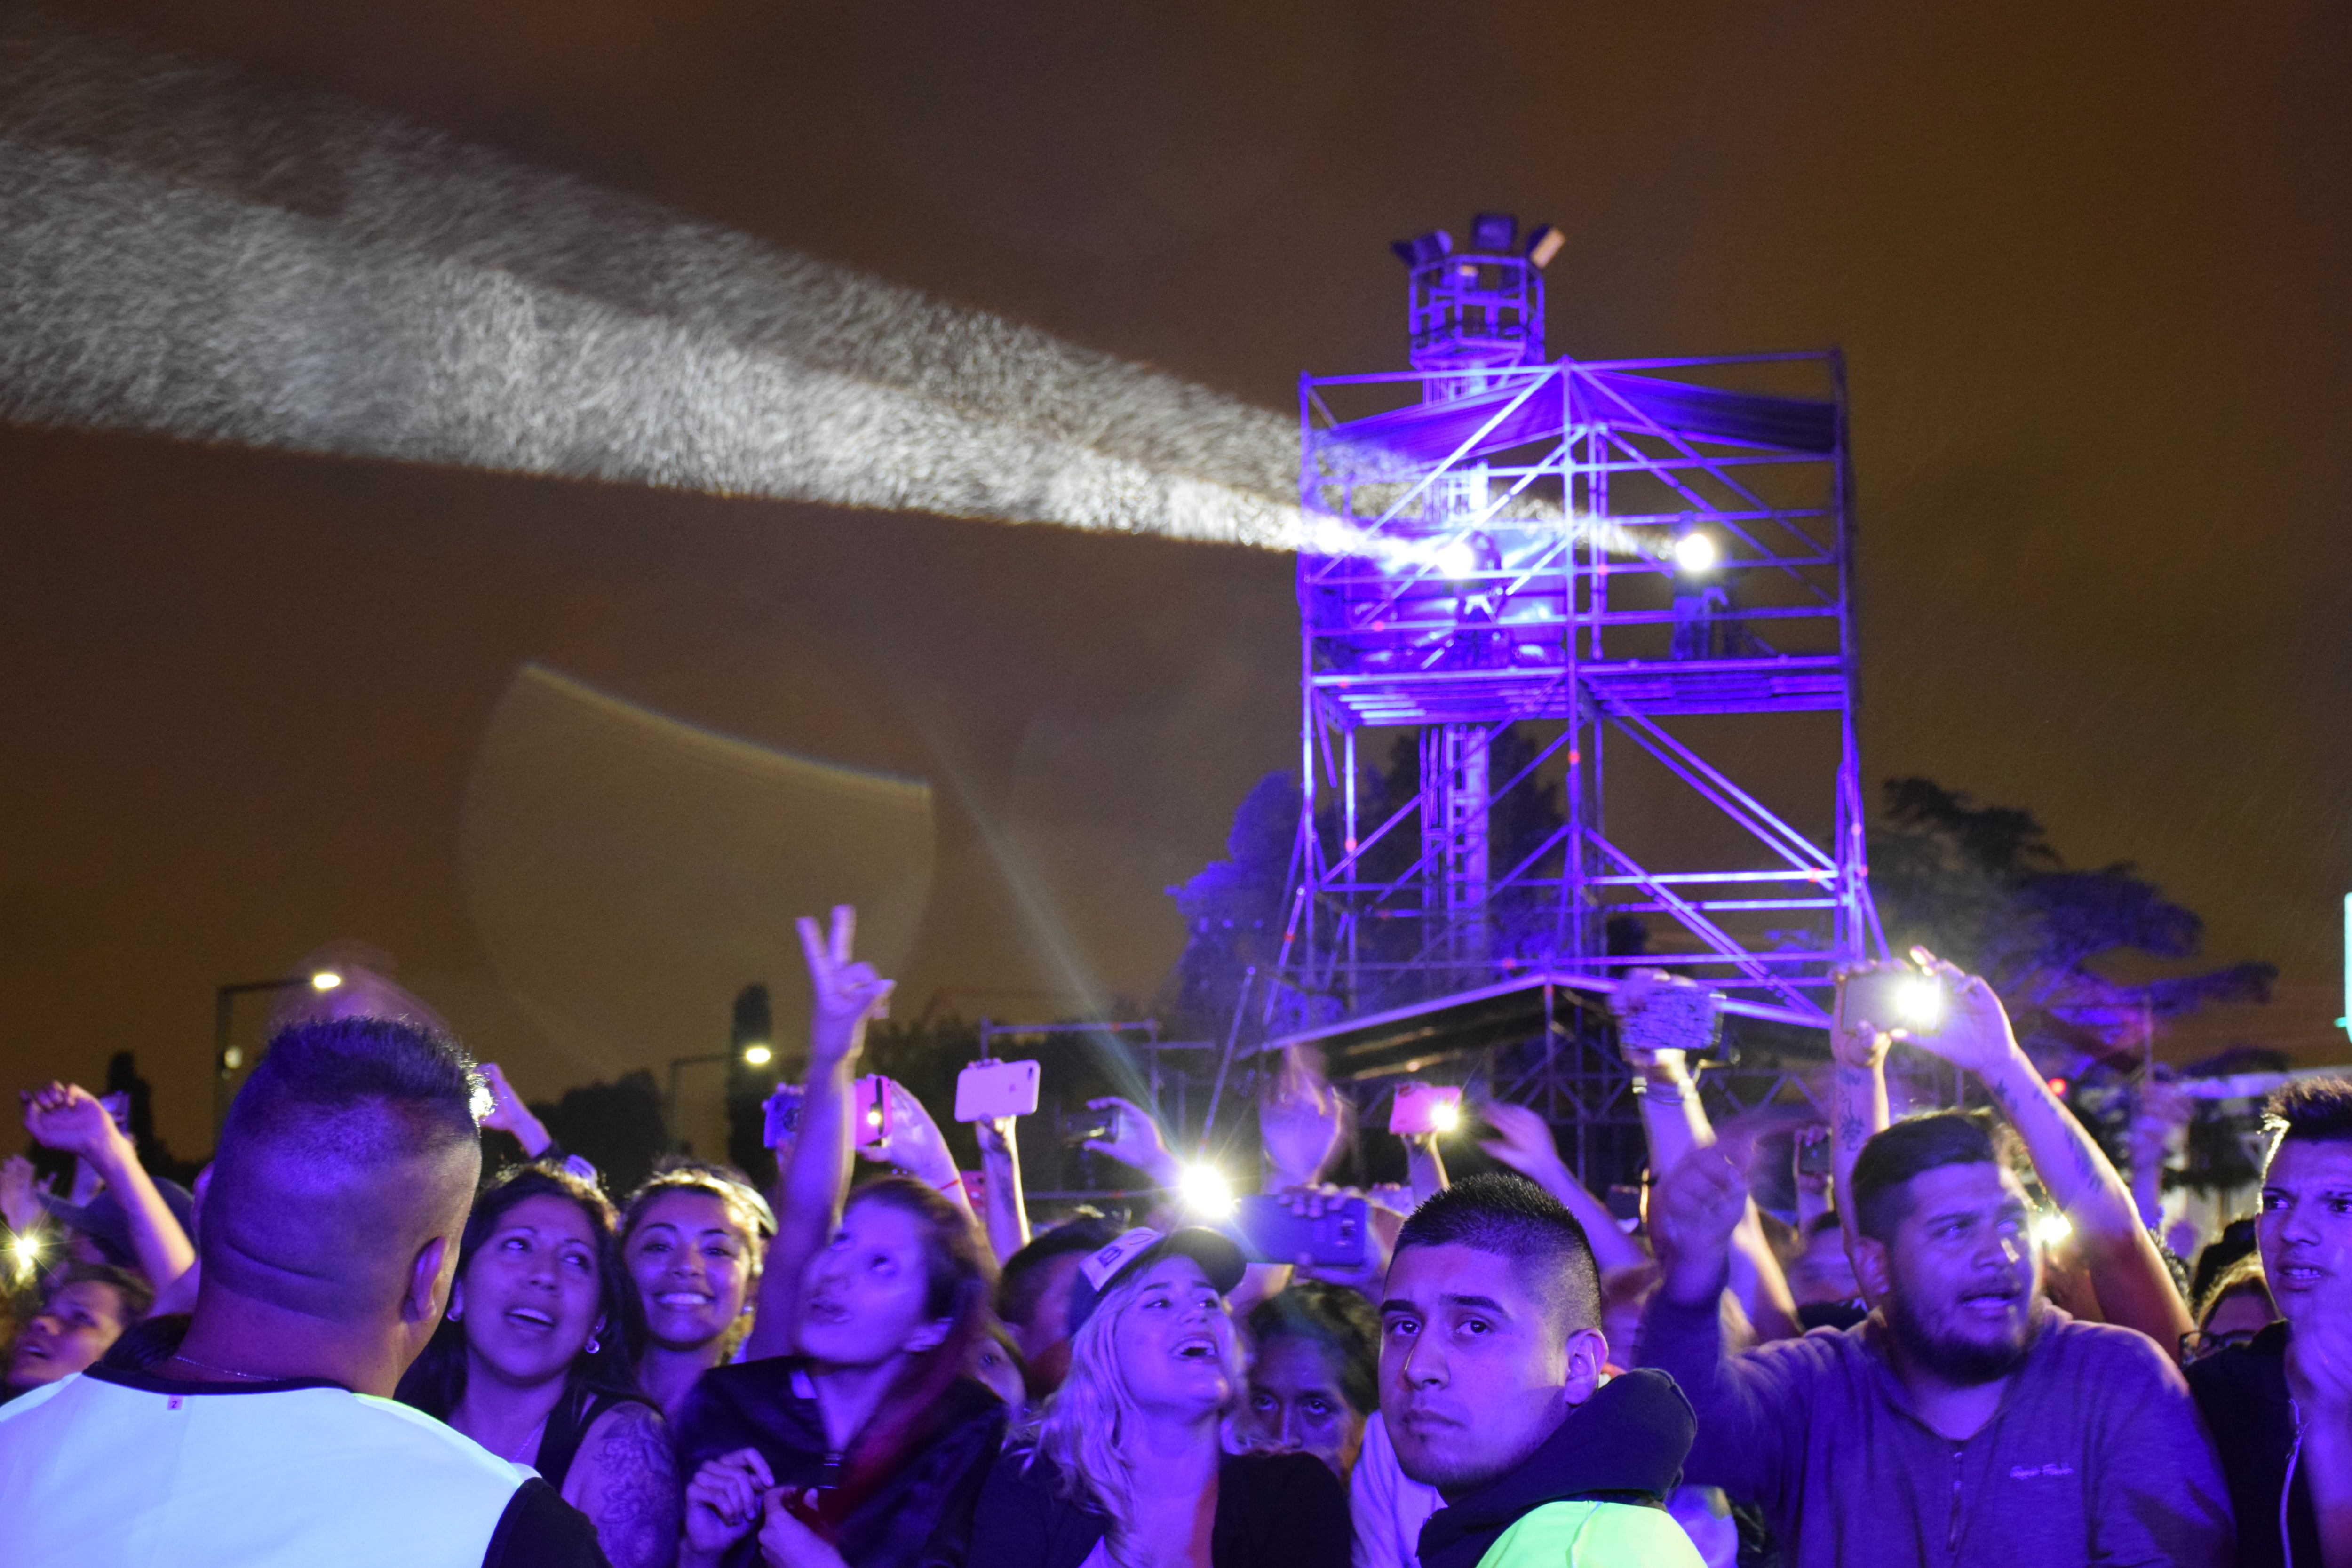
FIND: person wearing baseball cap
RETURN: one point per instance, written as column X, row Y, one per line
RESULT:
column 1128, row 1462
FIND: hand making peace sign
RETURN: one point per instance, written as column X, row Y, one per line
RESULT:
column 848, row 994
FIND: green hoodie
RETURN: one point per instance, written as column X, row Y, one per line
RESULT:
column 1592, row 1535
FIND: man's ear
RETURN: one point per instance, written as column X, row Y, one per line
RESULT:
column 1873, row 1269
column 930, row 1336
column 1588, row 1353
column 422, row 1302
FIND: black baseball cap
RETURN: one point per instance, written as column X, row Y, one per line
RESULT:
column 1139, row 1249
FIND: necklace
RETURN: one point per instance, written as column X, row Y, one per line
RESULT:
column 529, row 1444
column 221, row 1370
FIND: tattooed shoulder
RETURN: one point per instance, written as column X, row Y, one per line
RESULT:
column 631, row 1491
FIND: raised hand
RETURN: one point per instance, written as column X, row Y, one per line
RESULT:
column 1975, row 1032
column 509, row 1114
column 1299, row 1123
column 911, row 1140
column 723, row 1502
column 68, row 1117
column 848, row 994
column 1694, row 1209
column 20, row 1198
column 1135, row 1140
column 1522, row 1140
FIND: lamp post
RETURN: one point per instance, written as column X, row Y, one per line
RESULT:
column 754, row 1054
column 227, row 1058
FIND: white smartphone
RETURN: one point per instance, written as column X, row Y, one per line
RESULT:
column 988, row 1089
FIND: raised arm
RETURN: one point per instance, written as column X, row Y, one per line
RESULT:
column 2134, row 1288
column 1742, row 1402
column 1858, row 1109
column 1000, row 1162
column 1523, row 1142
column 66, row 1116
column 816, row 1179
column 912, row 1142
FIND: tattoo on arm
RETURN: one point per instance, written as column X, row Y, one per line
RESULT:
column 636, row 1501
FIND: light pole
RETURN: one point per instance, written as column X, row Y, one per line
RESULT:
column 754, row 1054
column 229, row 1057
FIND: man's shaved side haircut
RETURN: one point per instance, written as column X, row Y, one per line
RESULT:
column 1516, row 1220
column 1883, row 1171
column 341, row 1157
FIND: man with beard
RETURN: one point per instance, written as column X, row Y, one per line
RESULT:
column 2281, row 1405
column 1966, row 1421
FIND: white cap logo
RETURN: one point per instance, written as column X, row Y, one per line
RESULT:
column 1099, row 1269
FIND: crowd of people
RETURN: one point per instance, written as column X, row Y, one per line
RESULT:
column 345, row 1345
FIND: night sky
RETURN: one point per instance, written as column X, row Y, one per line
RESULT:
column 2086, row 264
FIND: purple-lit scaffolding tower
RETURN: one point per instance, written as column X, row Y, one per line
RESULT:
column 1639, row 568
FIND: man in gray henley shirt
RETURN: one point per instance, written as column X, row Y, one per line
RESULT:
column 1966, row 1421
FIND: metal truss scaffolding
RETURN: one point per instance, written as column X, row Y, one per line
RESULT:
column 1578, row 652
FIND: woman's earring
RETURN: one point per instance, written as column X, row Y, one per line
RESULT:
column 592, row 1346
column 455, row 1311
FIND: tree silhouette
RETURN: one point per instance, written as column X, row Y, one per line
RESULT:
column 1983, row 887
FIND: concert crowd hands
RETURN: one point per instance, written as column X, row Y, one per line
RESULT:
column 852, row 1351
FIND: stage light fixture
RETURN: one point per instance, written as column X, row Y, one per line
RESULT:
column 1205, row 1191
column 1543, row 243
column 1695, row 552
column 325, row 980
column 1424, row 249
column 1458, row 559
column 757, row 1055
column 1493, row 232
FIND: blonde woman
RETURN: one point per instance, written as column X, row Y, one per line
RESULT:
column 1127, row 1470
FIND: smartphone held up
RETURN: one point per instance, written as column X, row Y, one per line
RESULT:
column 1896, row 998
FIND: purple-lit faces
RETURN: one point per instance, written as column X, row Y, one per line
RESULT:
column 1961, row 1282
column 1174, row 1341
column 2305, row 1230
column 691, row 1262
column 1473, row 1375
column 1296, row 1405
column 70, row 1331
column 865, row 1297
column 529, row 1297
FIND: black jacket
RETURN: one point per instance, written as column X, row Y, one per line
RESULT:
column 917, row 1514
column 1625, row 1443
column 1274, row 1511
column 2242, row 1394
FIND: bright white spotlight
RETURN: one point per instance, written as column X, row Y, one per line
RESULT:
column 1444, row 1116
column 1921, row 1003
column 2052, row 1228
column 1459, row 559
column 756, row 1055
column 1695, row 552
column 233, row 1058
column 1205, row 1191
column 27, row 1246
column 325, row 980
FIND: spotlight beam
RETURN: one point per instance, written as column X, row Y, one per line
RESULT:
column 184, row 254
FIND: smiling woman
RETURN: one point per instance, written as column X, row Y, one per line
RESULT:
column 692, row 1241
column 533, row 1358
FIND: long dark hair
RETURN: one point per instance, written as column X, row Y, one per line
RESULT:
column 959, row 1282
column 437, row 1381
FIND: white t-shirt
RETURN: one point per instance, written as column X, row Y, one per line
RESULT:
column 121, row 1469
column 1389, row 1508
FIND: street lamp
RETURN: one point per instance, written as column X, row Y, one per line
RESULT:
column 754, row 1054
column 228, row 1057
